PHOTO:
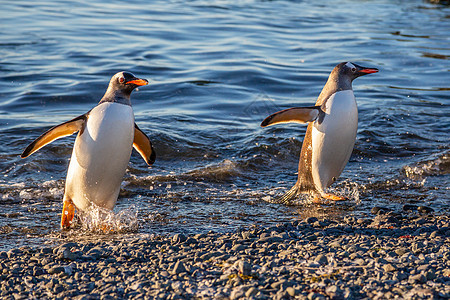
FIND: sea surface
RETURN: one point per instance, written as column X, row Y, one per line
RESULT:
column 216, row 70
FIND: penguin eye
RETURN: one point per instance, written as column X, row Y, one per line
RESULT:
column 353, row 69
column 121, row 79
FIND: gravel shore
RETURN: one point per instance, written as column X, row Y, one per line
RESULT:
column 385, row 257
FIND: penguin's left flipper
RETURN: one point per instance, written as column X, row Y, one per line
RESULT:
column 300, row 115
column 143, row 145
column 57, row 132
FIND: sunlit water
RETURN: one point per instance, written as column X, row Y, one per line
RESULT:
column 216, row 70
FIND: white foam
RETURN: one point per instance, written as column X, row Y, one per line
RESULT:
column 101, row 220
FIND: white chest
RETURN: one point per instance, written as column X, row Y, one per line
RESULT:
column 333, row 138
column 100, row 156
column 108, row 132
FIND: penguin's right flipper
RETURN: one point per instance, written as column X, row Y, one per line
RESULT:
column 57, row 132
column 143, row 145
column 293, row 115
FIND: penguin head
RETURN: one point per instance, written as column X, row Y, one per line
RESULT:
column 120, row 87
column 341, row 79
column 126, row 82
column 352, row 70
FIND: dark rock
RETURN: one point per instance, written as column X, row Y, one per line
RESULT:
column 421, row 221
column 14, row 253
column 409, row 207
column 377, row 210
column 334, row 292
column 56, row 270
column 178, row 268
column 46, row 250
column 321, row 259
column 392, row 220
column 190, row 241
column 425, row 210
column 179, row 238
column 37, row 271
column 244, row 268
column 94, row 254
column 68, row 255
column 311, row 220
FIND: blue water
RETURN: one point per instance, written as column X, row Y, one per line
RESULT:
column 216, row 70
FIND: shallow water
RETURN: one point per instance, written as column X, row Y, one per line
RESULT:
column 216, row 70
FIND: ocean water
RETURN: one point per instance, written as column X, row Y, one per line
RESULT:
column 216, row 70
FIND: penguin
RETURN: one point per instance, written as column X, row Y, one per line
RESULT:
column 102, row 149
column 330, row 135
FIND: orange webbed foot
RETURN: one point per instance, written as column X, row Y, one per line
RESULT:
column 68, row 213
column 105, row 228
column 333, row 197
column 324, row 197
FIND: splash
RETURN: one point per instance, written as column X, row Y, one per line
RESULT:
column 101, row 220
column 349, row 190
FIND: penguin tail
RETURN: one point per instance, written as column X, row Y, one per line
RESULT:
column 289, row 196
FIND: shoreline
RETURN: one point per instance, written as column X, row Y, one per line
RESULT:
column 385, row 257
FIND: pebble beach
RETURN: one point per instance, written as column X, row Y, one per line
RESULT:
column 384, row 256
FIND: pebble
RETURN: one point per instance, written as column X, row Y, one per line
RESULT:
column 179, row 268
column 379, row 210
column 179, row 238
column 251, row 292
column 291, row 291
column 401, row 251
column 425, row 209
column 392, row 256
column 419, row 278
column 56, row 270
column 321, row 259
column 244, row 268
column 311, row 220
column 389, row 268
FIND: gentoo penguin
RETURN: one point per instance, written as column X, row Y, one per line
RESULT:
column 106, row 135
column 330, row 135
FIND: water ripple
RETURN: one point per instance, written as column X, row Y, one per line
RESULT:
column 216, row 69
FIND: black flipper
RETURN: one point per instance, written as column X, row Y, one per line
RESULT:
column 54, row 133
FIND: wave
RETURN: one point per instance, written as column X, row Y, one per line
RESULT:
column 437, row 164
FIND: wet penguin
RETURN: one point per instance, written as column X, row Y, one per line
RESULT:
column 330, row 135
column 106, row 135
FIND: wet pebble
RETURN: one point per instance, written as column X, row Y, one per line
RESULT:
column 425, row 209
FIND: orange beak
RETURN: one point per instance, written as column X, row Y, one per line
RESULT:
column 369, row 70
column 138, row 81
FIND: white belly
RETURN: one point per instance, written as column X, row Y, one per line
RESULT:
column 333, row 139
column 100, row 156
